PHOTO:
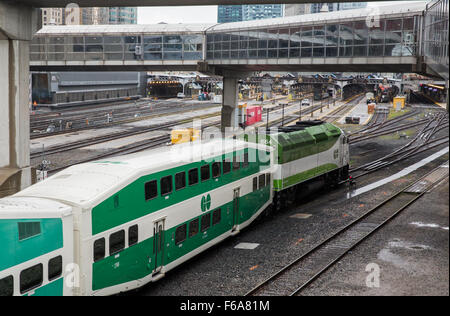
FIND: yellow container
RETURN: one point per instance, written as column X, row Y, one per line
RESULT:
column 399, row 102
column 179, row 136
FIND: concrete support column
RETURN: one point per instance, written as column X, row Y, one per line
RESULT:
column 230, row 101
column 15, row 34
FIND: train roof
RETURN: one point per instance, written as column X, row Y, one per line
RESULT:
column 32, row 207
column 88, row 184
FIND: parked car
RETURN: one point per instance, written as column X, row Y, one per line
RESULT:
column 180, row 95
column 305, row 102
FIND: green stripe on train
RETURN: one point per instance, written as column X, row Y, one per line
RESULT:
column 281, row 184
column 129, row 203
column 15, row 251
column 138, row 261
column 54, row 288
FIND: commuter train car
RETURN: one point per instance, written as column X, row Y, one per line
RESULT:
column 321, row 95
column 114, row 225
column 308, row 156
column 132, row 218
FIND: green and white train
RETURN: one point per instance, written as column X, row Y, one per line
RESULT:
column 110, row 226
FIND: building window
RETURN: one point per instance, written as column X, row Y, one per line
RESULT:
column 133, row 235
column 116, row 242
column 151, row 190
column 180, row 234
column 31, row 278
column 99, row 249
column 55, row 268
column 166, row 185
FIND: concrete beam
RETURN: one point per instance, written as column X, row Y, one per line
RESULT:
column 230, row 110
column 16, row 21
column 15, row 30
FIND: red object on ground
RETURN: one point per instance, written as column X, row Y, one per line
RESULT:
column 254, row 114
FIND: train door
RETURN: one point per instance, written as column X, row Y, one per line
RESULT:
column 236, row 195
column 158, row 245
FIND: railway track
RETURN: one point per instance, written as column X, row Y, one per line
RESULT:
column 379, row 122
column 339, row 112
column 99, row 119
column 424, row 140
column 298, row 275
column 139, row 146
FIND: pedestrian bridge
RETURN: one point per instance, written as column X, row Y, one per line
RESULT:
column 387, row 39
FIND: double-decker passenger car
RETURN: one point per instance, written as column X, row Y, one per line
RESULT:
column 124, row 222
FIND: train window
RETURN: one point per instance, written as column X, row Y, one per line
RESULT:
column 193, row 228
column 133, row 235
column 245, row 161
column 180, row 180
column 267, row 178
column 255, row 184
column 166, row 185
column 236, row 163
column 55, row 268
column 217, row 214
column 7, row 286
column 180, row 234
column 116, row 242
column 193, row 176
column 262, row 179
column 29, row 229
column 216, row 169
column 206, row 222
column 31, row 278
column 99, row 249
column 151, row 190
column 205, row 173
column 226, row 166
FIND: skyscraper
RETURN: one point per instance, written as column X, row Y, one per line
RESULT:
column 123, row 15
column 319, row 7
column 88, row 16
column 52, row 16
column 296, row 9
column 229, row 13
column 261, row 11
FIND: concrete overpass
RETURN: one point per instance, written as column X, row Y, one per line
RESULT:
column 333, row 41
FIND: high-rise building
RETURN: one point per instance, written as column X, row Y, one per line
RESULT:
column 296, row 9
column 52, row 16
column 123, row 15
column 261, row 11
column 321, row 7
column 229, row 13
column 89, row 16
